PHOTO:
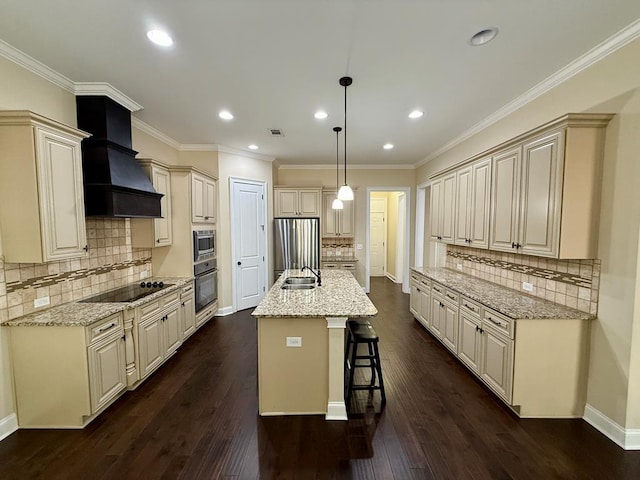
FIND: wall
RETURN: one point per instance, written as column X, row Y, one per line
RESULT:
column 610, row 86
column 230, row 165
column 360, row 180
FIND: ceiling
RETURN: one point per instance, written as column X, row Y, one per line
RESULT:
column 273, row 63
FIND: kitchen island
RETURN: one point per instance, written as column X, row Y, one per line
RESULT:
column 301, row 344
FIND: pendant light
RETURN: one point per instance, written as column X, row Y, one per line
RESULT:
column 345, row 192
column 337, row 203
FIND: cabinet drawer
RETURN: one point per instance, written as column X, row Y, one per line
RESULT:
column 437, row 289
column 329, row 265
column 186, row 290
column 104, row 328
column 498, row 322
column 425, row 283
column 470, row 307
column 152, row 308
column 348, row 266
column 415, row 277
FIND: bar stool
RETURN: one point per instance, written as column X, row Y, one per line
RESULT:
column 361, row 332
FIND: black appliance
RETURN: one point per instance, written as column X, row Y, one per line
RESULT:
column 204, row 245
column 130, row 293
column 114, row 183
column 206, row 283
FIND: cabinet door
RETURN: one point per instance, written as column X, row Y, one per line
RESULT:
column 346, row 220
column 463, row 210
column 448, row 211
column 210, row 201
column 479, row 204
column 151, row 344
column 309, row 203
column 107, row 370
column 414, row 300
column 61, row 197
column 505, row 198
column 197, row 198
column 541, row 195
column 286, row 203
column 425, row 305
column 496, row 367
column 188, row 313
column 450, row 327
column 469, row 341
column 435, row 206
column 162, row 226
column 172, row 330
column 435, row 322
column 329, row 223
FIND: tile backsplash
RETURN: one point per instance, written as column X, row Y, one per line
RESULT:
column 337, row 246
column 112, row 262
column 573, row 283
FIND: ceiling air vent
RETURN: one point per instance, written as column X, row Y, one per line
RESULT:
column 276, row 132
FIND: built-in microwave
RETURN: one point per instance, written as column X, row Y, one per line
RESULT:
column 204, row 245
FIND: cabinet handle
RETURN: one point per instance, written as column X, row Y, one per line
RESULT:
column 108, row 327
column 86, row 248
column 417, row 289
column 451, row 297
column 183, row 304
column 469, row 307
column 495, row 322
column 513, row 245
column 123, row 338
column 441, row 304
column 206, row 218
column 158, row 240
column 437, row 289
column 518, row 245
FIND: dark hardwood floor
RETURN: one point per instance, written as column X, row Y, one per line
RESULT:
column 196, row 418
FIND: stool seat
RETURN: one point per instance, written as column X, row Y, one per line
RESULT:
column 364, row 333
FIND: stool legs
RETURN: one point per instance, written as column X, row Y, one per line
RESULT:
column 374, row 365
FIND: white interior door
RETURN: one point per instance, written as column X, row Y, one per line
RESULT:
column 378, row 235
column 249, row 240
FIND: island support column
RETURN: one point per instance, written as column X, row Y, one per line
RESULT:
column 336, row 409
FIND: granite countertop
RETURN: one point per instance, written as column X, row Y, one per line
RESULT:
column 507, row 301
column 338, row 259
column 76, row 314
column 339, row 296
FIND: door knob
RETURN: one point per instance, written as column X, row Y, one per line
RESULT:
column 239, row 263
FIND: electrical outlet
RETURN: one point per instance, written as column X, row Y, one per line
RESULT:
column 143, row 274
column 41, row 302
column 294, row 341
column 527, row 286
column 459, row 266
column 359, row 246
column 338, row 253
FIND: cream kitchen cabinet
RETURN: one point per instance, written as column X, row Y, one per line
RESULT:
column 420, row 299
column 469, row 337
column 473, row 188
column 204, row 200
column 496, row 366
column 442, row 208
column 336, row 223
column 76, row 371
column 41, row 192
column 156, row 232
column 337, row 265
column 297, row 202
column 187, row 312
column 444, row 316
column 160, row 332
column 546, row 189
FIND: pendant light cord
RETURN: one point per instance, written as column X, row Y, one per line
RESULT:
column 345, row 134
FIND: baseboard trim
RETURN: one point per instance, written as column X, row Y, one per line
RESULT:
column 391, row 277
column 626, row 438
column 224, row 311
column 8, row 425
column 336, row 411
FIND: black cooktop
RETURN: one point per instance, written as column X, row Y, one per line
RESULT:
column 130, row 293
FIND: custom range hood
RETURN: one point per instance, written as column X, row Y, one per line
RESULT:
column 114, row 184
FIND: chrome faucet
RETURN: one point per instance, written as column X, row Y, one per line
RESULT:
column 316, row 274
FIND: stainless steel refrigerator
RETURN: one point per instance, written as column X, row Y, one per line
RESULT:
column 297, row 243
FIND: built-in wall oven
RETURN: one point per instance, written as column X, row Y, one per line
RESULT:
column 204, row 245
column 206, row 283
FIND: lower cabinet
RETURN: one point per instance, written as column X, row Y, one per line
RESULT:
column 536, row 366
column 338, row 265
column 107, row 370
column 188, row 311
column 420, row 299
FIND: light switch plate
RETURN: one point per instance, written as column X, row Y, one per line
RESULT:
column 528, row 287
column 359, row 246
column 294, row 341
column 143, row 274
column 459, row 266
column 41, row 302
column 338, row 253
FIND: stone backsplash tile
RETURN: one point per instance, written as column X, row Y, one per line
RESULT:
column 573, row 283
column 336, row 246
column 111, row 263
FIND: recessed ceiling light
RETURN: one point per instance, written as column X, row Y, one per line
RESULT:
column 483, row 36
column 416, row 114
column 225, row 115
column 388, row 146
column 160, row 37
column 253, row 147
column 320, row 115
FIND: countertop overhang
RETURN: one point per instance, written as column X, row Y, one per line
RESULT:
column 339, row 296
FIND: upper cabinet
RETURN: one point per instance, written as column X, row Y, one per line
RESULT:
column 443, row 201
column 156, row 232
column 544, row 188
column 297, row 202
column 336, row 223
column 41, row 193
column 203, row 199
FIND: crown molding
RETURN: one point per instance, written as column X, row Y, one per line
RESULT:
column 243, row 153
column 34, row 66
column 157, row 134
column 349, row 167
column 625, row 36
column 107, row 90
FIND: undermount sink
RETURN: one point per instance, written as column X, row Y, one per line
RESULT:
column 297, row 286
column 299, row 281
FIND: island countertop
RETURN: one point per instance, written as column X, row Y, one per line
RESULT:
column 339, row 296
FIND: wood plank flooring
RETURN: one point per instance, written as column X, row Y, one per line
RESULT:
column 196, row 418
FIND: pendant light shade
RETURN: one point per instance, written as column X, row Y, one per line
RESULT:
column 337, row 203
column 345, row 193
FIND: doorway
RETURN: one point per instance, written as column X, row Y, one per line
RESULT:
column 387, row 235
column 248, row 241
